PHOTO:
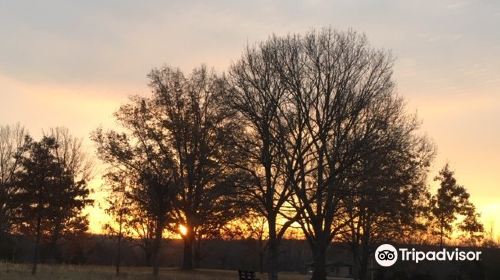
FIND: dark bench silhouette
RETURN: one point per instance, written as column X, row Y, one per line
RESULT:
column 247, row 275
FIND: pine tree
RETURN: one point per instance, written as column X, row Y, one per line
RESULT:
column 49, row 197
column 450, row 202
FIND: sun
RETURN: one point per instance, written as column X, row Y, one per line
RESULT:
column 183, row 230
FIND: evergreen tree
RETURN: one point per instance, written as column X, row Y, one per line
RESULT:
column 48, row 196
column 450, row 202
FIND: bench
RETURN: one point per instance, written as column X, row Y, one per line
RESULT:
column 247, row 275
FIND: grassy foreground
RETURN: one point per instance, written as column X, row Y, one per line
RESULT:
column 10, row 271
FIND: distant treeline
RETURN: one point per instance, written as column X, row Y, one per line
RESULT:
column 294, row 256
column 101, row 250
column 303, row 133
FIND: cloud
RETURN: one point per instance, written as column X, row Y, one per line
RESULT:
column 72, row 63
column 457, row 5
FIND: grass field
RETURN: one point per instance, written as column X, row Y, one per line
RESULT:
column 10, row 271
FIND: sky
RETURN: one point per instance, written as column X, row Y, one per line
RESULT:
column 72, row 63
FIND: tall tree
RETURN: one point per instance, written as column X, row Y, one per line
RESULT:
column 329, row 97
column 257, row 93
column 195, row 126
column 337, row 84
column 11, row 139
column 451, row 202
column 175, row 146
column 45, row 189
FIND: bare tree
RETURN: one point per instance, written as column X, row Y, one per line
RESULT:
column 196, row 126
column 388, row 191
column 325, row 93
column 131, row 155
column 11, row 139
column 257, row 93
column 118, row 207
column 71, row 153
column 175, row 148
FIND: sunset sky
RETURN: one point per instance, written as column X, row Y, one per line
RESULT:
column 69, row 63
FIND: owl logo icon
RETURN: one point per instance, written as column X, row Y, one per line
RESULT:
column 386, row 255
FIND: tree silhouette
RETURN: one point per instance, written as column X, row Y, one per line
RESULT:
column 471, row 226
column 388, row 190
column 148, row 171
column 11, row 139
column 326, row 101
column 70, row 154
column 257, row 94
column 119, row 208
column 196, row 127
column 450, row 202
column 176, row 148
column 48, row 193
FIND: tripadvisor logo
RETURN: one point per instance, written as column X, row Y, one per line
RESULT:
column 387, row 255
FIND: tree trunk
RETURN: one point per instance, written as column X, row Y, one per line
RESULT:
column 54, row 254
column 355, row 261
column 365, row 249
column 441, row 234
column 273, row 259
column 363, row 268
column 197, row 251
column 273, row 246
column 119, row 249
column 261, row 261
column 148, row 252
column 37, row 244
column 319, row 256
column 156, row 249
column 187, row 263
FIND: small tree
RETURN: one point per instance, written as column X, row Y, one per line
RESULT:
column 471, row 226
column 451, row 202
column 119, row 208
column 47, row 193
